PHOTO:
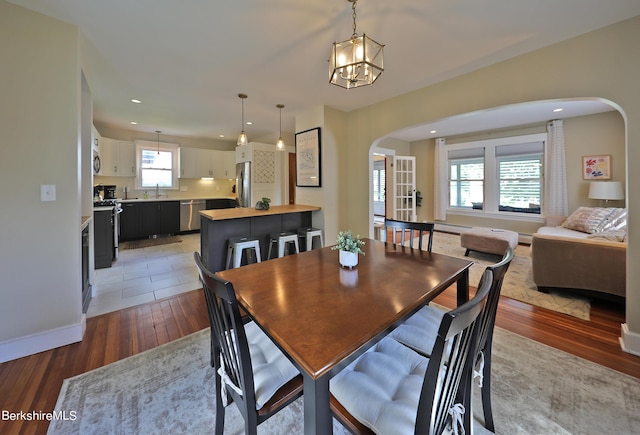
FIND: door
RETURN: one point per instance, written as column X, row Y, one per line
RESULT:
column 405, row 188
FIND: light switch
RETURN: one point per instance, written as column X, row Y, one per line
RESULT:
column 47, row 192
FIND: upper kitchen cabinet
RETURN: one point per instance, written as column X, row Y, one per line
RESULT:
column 195, row 163
column 118, row 158
column 95, row 139
column 204, row 163
column 224, row 164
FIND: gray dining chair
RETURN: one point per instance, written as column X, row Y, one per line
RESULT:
column 398, row 230
column 419, row 333
column 391, row 389
column 250, row 369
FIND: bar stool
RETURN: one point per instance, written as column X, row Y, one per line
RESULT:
column 237, row 245
column 282, row 239
column 309, row 233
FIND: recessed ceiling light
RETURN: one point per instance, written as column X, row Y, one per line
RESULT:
column 133, row 123
column 432, row 132
column 249, row 123
column 221, row 135
column 559, row 109
column 133, row 100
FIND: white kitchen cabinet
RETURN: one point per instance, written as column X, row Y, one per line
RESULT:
column 118, row 158
column 224, row 164
column 204, row 163
column 95, row 139
column 195, row 163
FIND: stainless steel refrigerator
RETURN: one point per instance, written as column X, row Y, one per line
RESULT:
column 243, row 184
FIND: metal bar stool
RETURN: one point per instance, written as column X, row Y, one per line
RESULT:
column 282, row 239
column 309, row 233
column 237, row 245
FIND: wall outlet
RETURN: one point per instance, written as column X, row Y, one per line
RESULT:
column 47, row 192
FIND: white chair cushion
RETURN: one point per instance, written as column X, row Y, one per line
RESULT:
column 271, row 368
column 420, row 330
column 382, row 387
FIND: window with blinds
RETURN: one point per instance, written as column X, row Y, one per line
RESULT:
column 497, row 176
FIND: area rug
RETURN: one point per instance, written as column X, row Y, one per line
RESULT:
column 170, row 389
column 518, row 283
column 145, row 243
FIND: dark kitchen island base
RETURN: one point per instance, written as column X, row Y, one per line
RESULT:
column 218, row 226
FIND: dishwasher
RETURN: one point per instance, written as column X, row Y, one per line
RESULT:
column 189, row 214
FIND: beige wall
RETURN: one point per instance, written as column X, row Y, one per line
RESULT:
column 603, row 63
column 40, row 253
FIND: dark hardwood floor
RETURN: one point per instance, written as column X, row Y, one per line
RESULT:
column 33, row 383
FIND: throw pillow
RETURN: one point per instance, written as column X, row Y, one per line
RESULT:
column 587, row 219
column 617, row 220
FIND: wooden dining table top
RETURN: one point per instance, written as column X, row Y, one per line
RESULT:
column 320, row 313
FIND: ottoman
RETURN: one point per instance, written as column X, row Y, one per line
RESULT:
column 488, row 240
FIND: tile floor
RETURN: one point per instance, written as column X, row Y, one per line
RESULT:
column 145, row 275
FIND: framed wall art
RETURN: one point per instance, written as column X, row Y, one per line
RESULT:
column 308, row 158
column 596, row 167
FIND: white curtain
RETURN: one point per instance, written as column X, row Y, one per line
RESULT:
column 440, row 175
column 555, row 194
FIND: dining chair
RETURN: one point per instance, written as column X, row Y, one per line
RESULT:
column 420, row 330
column 250, row 369
column 391, row 389
column 396, row 227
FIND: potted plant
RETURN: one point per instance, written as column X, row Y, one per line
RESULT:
column 263, row 204
column 349, row 246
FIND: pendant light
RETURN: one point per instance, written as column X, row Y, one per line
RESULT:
column 356, row 62
column 280, row 143
column 242, row 139
column 158, row 132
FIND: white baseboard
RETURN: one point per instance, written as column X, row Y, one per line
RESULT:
column 630, row 341
column 456, row 229
column 41, row 341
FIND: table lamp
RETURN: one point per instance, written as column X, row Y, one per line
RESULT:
column 606, row 190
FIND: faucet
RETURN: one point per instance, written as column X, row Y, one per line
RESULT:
column 157, row 192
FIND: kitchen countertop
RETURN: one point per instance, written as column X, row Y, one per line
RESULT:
column 84, row 222
column 247, row 212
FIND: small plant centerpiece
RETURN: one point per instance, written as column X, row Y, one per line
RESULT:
column 349, row 246
column 263, row 204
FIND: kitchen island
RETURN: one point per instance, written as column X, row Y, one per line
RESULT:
column 218, row 226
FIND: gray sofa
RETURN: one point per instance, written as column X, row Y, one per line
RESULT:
column 593, row 263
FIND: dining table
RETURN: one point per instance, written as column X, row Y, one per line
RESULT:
column 323, row 316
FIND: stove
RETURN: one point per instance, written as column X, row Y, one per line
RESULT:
column 105, row 203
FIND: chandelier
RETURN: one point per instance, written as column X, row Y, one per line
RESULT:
column 358, row 61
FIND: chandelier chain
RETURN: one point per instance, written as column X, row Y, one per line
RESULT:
column 353, row 7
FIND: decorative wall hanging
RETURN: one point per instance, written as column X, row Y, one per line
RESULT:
column 308, row 158
column 596, row 167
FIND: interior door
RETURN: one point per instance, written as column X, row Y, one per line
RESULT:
column 405, row 188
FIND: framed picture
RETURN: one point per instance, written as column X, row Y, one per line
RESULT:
column 308, row 158
column 596, row 167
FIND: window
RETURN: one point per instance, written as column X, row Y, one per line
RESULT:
column 466, row 178
column 520, row 177
column 379, row 180
column 497, row 176
column 157, row 165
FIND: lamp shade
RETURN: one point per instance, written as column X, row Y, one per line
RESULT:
column 606, row 190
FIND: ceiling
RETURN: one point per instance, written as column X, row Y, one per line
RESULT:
column 187, row 61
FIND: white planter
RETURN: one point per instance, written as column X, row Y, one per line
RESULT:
column 348, row 259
